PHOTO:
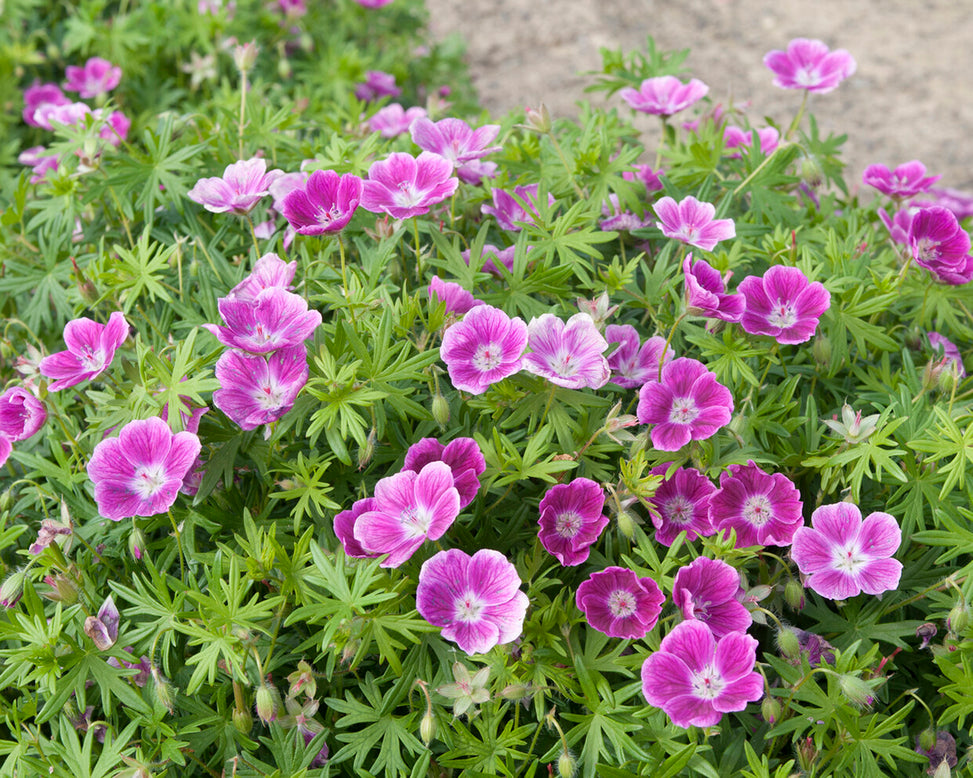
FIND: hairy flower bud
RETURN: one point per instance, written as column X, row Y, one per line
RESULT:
column 807, row 754
column 822, row 350
column 266, row 705
column 12, row 588
column 245, row 56
column 858, row 691
column 539, row 119
column 136, row 542
column 927, row 739
column 794, row 594
column 956, row 622
column 770, row 709
column 788, row 644
column 242, row 720
column 566, row 765
column 440, row 410
column 163, row 689
column 427, row 728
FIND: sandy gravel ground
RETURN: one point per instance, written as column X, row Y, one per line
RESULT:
column 911, row 97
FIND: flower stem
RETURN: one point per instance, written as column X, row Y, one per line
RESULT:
column 178, row 534
column 243, row 113
column 798, row 117
column 415, row 232
column 253, row 233
column 665, row 348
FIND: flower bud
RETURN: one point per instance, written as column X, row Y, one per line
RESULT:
column 948, row 378
column 926, row 632
column 427, row 728
column 788, row 644
column 245, row 56
column 811, row 171
column 956, row 622
column 515, row 691
column 855, row 689
column 807, row 754
column 927, row 739
column 770, row 709
column 12, row 588
column 566, row 765
column 822, row 351
column 242, row 720
column 626, row 524
column 440, row 410
column 539, row 119
column 366, row 452
column 136, row 542
column 794, row 594
column 266, row 705
column 162, row 687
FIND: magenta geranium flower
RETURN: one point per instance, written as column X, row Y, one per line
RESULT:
column 940, row 245
column 648, row 176
column 270, row 270
column 240, row 188
column 737, row 138
column 284, row 184
column 49, row 115
column 115, row 127
column 140, row 472
column 696, row 678
column 907, row 180
column 764, row 509
column 454, row 139
column 492, row 257
column 257, row 390
column 38, row 95
column 956, row 200
column 325, row 203
column 842, row 556
column 344, row 528
column 393, row 120
column 619, row 603
column 567, row 354
column 456, row 298
column 706, row 292
column 404, row 186
column 572, row 519
column 21, row 414
column 809, row 64
column 633, row 363
column 664, row 95
column 484, row 347
column 377, row 84
column 510, row 212
column 39, row 162
column 898, row 225
column 708, row 590
column 475, row 599
column 274, row 319
column 943, row 345
column 474, row 171
column 688, row 404
column 621, row 220
column 691, row 221
column 97, row 77
column 463, row 456
column 783, row 304
column 681, row 503
column 409, row 508
column 91, row 347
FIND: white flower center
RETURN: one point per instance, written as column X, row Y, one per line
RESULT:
column 91, row 358
column 149, row 480
column 621, row 603
column 684, row 411
column 415, row 521
column 564, row 365
column 325, row 215
column 782, row 315
column 269, row 396
column 678, row 510
column 806, row 77
column 708, row 684
column 407, row 196
column 928, row 249
column 487, row 357
column 568, row 524
column 850, row 559
column 468, row 608
column 757, row 510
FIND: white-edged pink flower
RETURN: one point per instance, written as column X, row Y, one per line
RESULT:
column 393, row 120
column 691, row 221
column 404, row 186
column 454, row 139
column 238, row 190
column 97, row 77
column 809, row 64
column 664, row 95
column 483, row 348
column 569, row 354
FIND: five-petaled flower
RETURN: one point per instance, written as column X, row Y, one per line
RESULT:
column 454, row 139
column 97, row 77
column 620, row 603
column 809, row 64
column 940, row 245
column 783, row 304
column 691, row 221
column 633, row 364
column 463, row 456
column 257, row 390
column 90, row 349
column 571, row 519
column 238, row 190
column 907, row 180
column 273, row 319
column 681, row 503
column 510, row 212
column 404, row 186
column 483, row 348
column 664, row 95
column 708, row 591
column 325, row 203
column 706, row 292
column 764, row 508
column 568, row 354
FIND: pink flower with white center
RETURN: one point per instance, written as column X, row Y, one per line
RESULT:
column 456, row 298
column 91, row 347
column 454, row 139
column 409, row 508
column 38, row 95
column 696, row 678
column 687, row 404
column 475, row 599
column 140, row 472
column 783, row 304
column 325, row 203
column 764, row 509
column 842, row 556
column 241, row 187
column 706, row 292
column 737, row 138
column 940, row 245
column 274, row 319
column 393, row 120
column 115, row 128
column 571, row 520
column 21, row 414
column 809, row 64
column 97, row 77
column 483, row 348
column 568, row 354
column 512, row 211
column 681, row 503
column 943, row 345
column 268, row 271
column 648, row 176
column 38, row 161
column 709, row 591
column 617, row 219
column 664, row 95
column 691, row 221
column 474, row 171
column 284, row 184
column 50, row 115
column 633, row 363
column 377, row 84
column 404, row 186
column 907, row 180
column 344, row 528
column 463, row 456
column 256, row 390
column 619, row 603
column 492, row 256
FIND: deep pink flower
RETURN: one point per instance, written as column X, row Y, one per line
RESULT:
column 377, row 84
column 492, row 256
column 274, row 319
column 633, row 363
column 404, row 186
column 843, row 556
column 688, row 404
column 764, row 509
column 940, row 245
column 619, row 603
column 907, row 180
column 942, row 344
column 97, row 77
column 474, row 171
column 706, row 292
column 695, row 679
column 463, row 456
column 257, row 390
column 393, row 120
column 510, row 212
column 6, row 449
column 373, row 3
column 956, row 200
column 41, row 94
column 270, row 270
column 115, row 128
column 50, row 115
column 140, row 472
column 572, row 519
column 284, row 184
column 475, row 599
column 898, row 225
column 483, row 348
column 454, row 139
column 681, row 502
column 456, row 298
column 325, row 203
column 240, row 188
column 344, row 528
column 21, row 414
column 617, row 219
column 737, row 138
column 91, row 347
column 708, row 590
column 783, row 304
column 568, row 354
column 664, row 95
column 409, row 508
column 648, row 176
column 809, row 64
column 691, row 221
column 38, row 161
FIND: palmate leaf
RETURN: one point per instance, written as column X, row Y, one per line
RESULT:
column 130, row 273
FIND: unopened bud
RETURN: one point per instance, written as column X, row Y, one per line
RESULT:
column 948, row 378
column 242, row 720
column 440, row 410
column 927, row 739
column 788, row 644
column 958, row 619
column 807, row 754
column 163, row 689
column 515, row 691
column 811, row 172
column 366, row 452
column 770, row 709
column 245, row 56
column 12, row 589
column 539, row 119
column 931, row 372
column 926, row 632
column 266, row 705
column 136, row 542
column 626, row 524
column 822, row 350
column 566, row 765
column 794, row 594
column 427, row 728
column 855, row 689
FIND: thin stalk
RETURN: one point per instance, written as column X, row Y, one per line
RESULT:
column 175, row 529
column 665, row 348
column 798, row 117
column 253, row 233
column 415, row 232
column 243, row 114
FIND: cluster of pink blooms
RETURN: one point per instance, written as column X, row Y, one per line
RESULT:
column 21, row 416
